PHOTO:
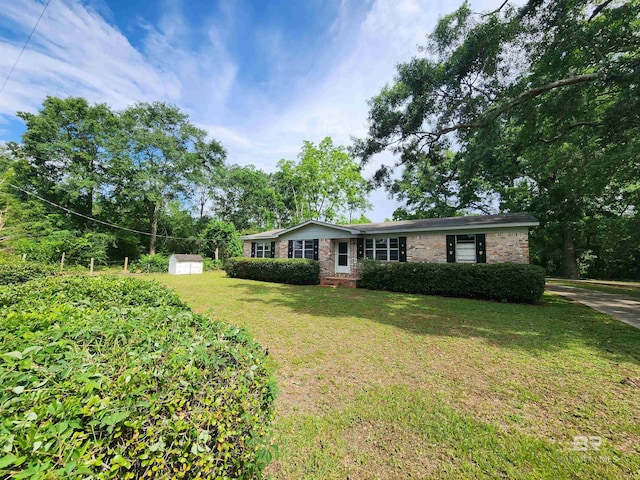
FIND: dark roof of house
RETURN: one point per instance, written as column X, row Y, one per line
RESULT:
column 450, row 222
column 521, row 219
column 185, row 257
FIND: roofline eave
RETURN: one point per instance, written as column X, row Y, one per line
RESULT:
column 458, row 227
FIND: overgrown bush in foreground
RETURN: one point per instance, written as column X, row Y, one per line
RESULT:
column 500, row 281
column 109, row 377
column 15, row 270
column 297, row 271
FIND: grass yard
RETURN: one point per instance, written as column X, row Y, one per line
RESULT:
column 386, row 385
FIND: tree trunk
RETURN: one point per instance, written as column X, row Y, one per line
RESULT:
column 154, row 228
column 92, row 175
column 570, row 261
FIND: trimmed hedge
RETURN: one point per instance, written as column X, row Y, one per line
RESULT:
column 297, row 271
column 108, row 377
column 19, row 271
column 500, row 281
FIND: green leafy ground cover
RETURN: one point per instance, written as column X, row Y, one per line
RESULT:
column 109, row 377
column 13, row 270
column 387, row 385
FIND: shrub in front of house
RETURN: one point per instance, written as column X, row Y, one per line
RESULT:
column 108, row 377
column 500, row 281
column 297, row 271
column 14, row 270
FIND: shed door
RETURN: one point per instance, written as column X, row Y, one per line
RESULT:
column 342, row 257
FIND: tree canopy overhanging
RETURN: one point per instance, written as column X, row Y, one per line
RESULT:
column 533, row 107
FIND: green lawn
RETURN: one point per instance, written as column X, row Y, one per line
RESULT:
column 386, row 385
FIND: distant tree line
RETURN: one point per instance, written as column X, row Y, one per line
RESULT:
column 149, row 169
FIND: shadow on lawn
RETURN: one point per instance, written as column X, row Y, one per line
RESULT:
column 550, row 325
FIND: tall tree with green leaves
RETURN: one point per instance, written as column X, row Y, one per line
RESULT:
column 162, row 156
column 541, row 103
column 324, row 184
column 247, row 199
column 66, row 150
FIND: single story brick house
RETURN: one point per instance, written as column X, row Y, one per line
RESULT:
column 339, row 248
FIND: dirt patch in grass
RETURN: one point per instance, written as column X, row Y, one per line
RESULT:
column 381, row 449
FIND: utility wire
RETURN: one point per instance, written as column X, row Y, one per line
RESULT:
column 96, row 220
column 24, row 46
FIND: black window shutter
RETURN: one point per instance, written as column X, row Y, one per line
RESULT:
column 402, row 245
column 481, row 248
column 360, row 249
column 253, row 249
column 316, row 246
column 451, row 249
column 290, row 249
column 273, row 249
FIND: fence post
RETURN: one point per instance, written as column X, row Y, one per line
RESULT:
column 126, row 264
column 91, row 267
column 62, row 262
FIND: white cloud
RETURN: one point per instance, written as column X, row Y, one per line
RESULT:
column 75, row 52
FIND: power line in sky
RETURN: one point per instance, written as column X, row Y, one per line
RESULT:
column 24, row 46
column 95, row 219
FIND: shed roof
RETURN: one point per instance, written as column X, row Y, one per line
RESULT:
column 186, row 257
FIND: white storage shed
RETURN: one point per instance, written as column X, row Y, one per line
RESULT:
column 184, row 264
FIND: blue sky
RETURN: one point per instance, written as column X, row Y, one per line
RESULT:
column 260, row 76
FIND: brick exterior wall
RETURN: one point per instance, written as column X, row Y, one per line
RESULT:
column 246, row 249
column 326, row 258
column 508, row 246
column 282, row 249
column 502, row 246
column 427, row 247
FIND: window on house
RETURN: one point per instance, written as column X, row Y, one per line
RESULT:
column 263, row 249
column 303, row 249
column 382, row 249
column 466, row 248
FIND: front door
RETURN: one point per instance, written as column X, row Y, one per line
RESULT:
column 342, row 257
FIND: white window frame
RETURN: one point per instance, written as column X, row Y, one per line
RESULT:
column 263, row 250
column 306, row 250
column 376, row 248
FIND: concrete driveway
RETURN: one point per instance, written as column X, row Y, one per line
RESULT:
column 621, row 307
